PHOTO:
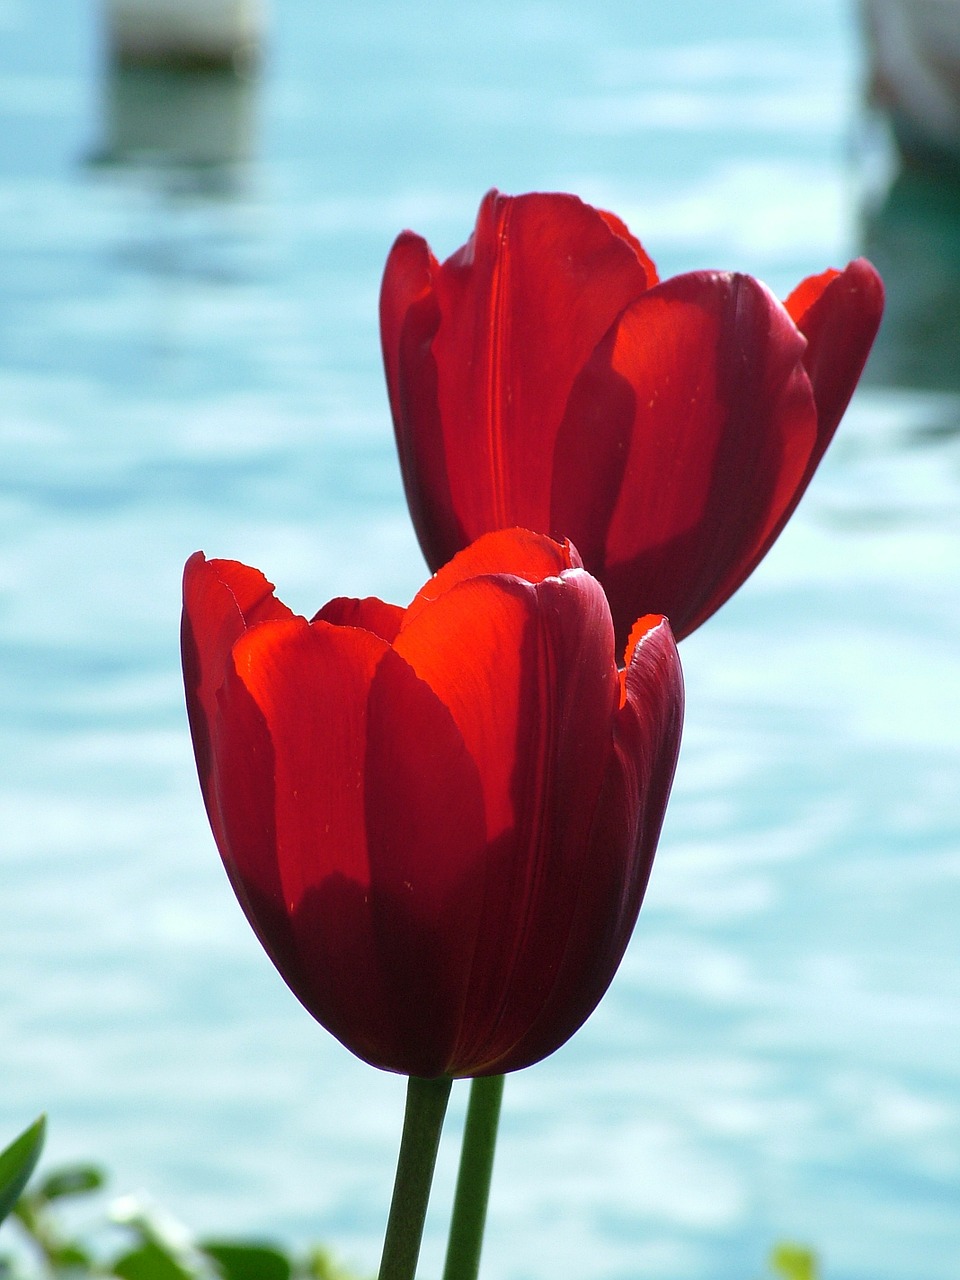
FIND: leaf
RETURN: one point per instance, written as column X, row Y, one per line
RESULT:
column 320, row 1266
column 238, row 1261
column 72, row 1180
column 17, row 1163
column 71, row 1257
column 150, row 1262
column 794, row 1262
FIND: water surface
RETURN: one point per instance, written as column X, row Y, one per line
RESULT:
column 189, row 358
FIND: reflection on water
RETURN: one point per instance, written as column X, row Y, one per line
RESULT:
column 913, row 237
column 180, row 119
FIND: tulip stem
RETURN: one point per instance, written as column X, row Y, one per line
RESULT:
column 422, row 1122
column 473, row 1179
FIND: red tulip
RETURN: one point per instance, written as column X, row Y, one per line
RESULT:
column 543, row 377
column 439, row 821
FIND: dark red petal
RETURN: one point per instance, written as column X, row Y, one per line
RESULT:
column 407, row 281
column 353, row 815
column 723, row 428
column 839, row 314
column 221, row 598
column 522, row 306
column 370, row 614
column 428, row 849
column 526, row 555
column 529, row 676
column 622, row 841
column 409, row 316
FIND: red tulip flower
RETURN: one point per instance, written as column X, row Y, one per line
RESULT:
column 542, row 376
column 439, row 821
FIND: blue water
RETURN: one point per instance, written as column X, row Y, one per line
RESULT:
column 189, row 358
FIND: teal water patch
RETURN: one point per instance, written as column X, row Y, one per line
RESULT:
column 189, row 358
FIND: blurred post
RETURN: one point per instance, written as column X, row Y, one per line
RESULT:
column 913, row 59
column 185, row 33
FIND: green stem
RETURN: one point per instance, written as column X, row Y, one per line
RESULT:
column 422, row 1122
column 473, row 1180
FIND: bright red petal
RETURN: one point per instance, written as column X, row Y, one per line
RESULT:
column 526, row 555
column 723, row 428
column 522, row 306
column 353, row 815
column 528, row 674
column 620, row 228
column 370, row 614
column 808, row 292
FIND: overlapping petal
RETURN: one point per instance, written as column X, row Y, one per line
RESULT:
column 479, row 370
column 542, row 376
column 408, row 803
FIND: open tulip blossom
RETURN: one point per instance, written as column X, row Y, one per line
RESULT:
column 542, row 376
column 439, row 821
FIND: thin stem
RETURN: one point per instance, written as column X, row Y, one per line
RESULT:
column 422, row 1122
column 473, row 1179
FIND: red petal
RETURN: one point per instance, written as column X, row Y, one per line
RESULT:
column 622, row 842
column 407, row 281
column 370, row 614
column 528, row 674
column 807, row 292
column 839, row 314
column 409, row 317
column 522, row 306
column 518, row 552
column 620, row 228
column 353, row 816
column 723, row 428
column 221, row 598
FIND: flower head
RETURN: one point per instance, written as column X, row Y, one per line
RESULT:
column 542, row 376
column 439, row 821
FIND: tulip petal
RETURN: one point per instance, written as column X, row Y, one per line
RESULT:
column 409, row 318
column 620, row 228
column 377, row 819
column 622, row 842
column 370, row 614
column 839, row 314
column 530, row 556
column 221, row 598
column 407, row 281
column 527, row 671
column 724, row 426
column 504, row 365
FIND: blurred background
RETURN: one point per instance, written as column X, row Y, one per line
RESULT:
column 190, row 256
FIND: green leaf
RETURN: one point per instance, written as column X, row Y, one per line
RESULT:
column 320, row 1266
column 71, row 1257
column 237, row 1261
column 150, row 1262
column 72, row 1180
column 794, row 1262
column 17, row 1163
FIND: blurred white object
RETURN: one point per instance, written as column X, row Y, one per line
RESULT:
column 914, row 73
column 185, row 32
